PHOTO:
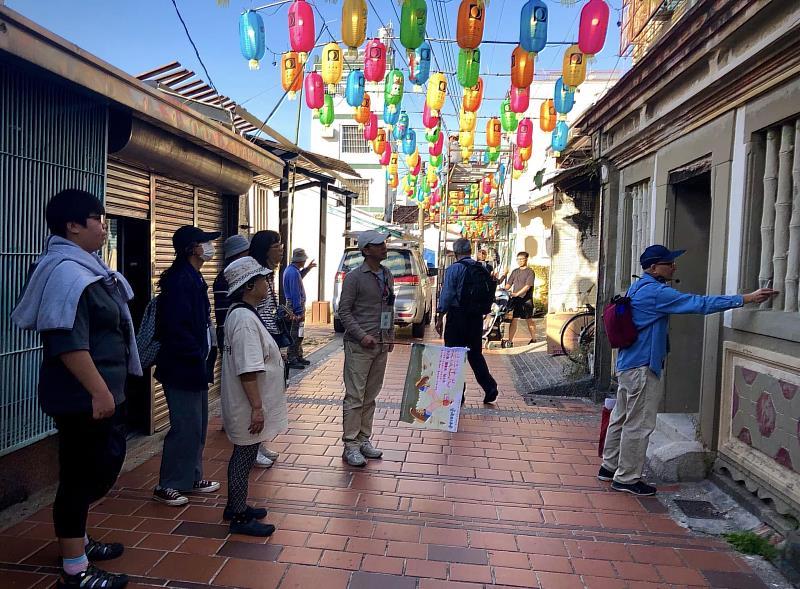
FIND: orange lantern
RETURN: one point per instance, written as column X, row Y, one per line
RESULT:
column 363, row 111
column 469, row 26
column 525, row 153
column 547, row 116
column 379, row 143
column 291, row 73
column 521, row 68
column 574, row 72
column 494, row 130
column 354, row 23
column 473, row 97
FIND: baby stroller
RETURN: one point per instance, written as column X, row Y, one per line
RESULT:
column 493, row 321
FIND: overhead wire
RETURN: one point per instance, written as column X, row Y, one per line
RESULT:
column 196, row 51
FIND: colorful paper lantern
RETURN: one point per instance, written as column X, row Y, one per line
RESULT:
column 386, row 155
column 469, row 67
column 390, row 117
column 547, row 116
column 413, row 18
column 428, row 120
column 525, row 133
column 354, row 23
column 354, row 89
column 437, row 92
column 326, row 112
column 435, row 148
column 560, row 137
column 409, row 142
column 521, row 68
column 375, row 60
column 533, row 26
column 520, row 99
column 593, row 27
column 525, row 153
column 314, row 91
column 508, row 118
column 291, row 74
column 574, row 67
column 420, row 66
column 466, row 138
column 469, row 25
column 563, row 98
column 392, row 167
column 364, row 110
column 331, row 68
column 371, row 127
column 401, row 126
column 393, row 180
column 473, row 97
column 379, row 143
column 493, row 156
column 518, row 164
column 301, row 28
column 393, row 89
column 467, row 121
column 251, row 37
column 494, row 132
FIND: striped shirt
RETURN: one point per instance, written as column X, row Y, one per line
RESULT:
column 268, row 308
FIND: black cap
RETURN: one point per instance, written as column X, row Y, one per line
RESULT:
column 658, row 253
column 188, row 234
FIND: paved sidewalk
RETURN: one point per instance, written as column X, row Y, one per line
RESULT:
column 510, row 500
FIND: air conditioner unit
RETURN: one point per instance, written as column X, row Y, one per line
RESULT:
column 328, row 132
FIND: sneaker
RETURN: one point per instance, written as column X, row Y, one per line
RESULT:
column 251, row 527
column 296, row 365
column 304, row 361
column 639, row 488
column 249, row 513
column 97, row 551
column 205, row 486
column 91, row 577
column 263, row 461
column 354, row 457
column 370, row 451
column 605, row 475
column 271, row 454
column 170, row 496
column 490, row 397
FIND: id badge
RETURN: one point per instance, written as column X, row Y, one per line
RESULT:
column 386, row 320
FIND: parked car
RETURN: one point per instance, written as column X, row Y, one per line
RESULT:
column 412, row 285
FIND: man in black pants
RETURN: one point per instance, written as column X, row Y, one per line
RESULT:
column 464, row 328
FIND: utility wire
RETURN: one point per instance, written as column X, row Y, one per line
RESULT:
column 196, row 52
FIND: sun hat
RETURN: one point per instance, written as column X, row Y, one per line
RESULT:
column 299, row 255
column 241, row 271
column 235, row 244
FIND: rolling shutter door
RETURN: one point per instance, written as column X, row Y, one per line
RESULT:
column 127, row 191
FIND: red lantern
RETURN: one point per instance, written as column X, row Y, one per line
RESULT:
column 520, row 99
column 371, row 127
column 469, row 26
column 374, row 60
column 473, row 97
column 435, row 149
column 494, row 130
column 593, row 27
column 428, row 120
column 525, row 133
column 518, row 164
column 301, row 28
column 314, row 91
column 386, row 156
column 521, row 68
column 547, row 116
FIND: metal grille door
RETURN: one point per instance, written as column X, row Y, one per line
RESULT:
column 50, row 139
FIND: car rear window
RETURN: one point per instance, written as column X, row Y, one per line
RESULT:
column 399, row 262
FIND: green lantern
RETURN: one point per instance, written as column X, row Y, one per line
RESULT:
column 436, row 161
column 413, row 19
column 469, row 67
column 393, row 89
column 508, row 118
column 494, row 155
column 326, row 112
column 432, row 135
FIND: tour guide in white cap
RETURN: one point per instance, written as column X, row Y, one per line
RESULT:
column 366, row 308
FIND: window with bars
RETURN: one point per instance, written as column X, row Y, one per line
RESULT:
column 353, row 140
column 635, row 220
column 361, row 187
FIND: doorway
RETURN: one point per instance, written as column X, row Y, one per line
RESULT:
column 127, row 250
column 689, row 225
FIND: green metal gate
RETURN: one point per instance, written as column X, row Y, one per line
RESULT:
column 51, row 138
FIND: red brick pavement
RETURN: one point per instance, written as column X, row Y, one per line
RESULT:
column 508, row 501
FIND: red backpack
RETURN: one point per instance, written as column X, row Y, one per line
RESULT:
column 618, row 321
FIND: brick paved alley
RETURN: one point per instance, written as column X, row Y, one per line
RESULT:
column 511, row 500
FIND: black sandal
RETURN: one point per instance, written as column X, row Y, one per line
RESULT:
column 97, row 551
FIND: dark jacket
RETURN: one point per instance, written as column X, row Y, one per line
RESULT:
column 182, row 321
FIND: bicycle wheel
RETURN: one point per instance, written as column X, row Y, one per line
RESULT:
column 572, row 336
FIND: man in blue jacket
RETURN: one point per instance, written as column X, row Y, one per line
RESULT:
column 639, row 366
column 295, row 294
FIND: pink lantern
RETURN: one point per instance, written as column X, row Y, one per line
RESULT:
column 520, row 99
column 386, row 156
column 593, row 27
column 525, row 133
column 518, row 164
column 371, row 127
column 486, row 185
column 416, row 169
column 301, row 28
column 374, row 60
column 435, row 149
column 428, row 120
column 315, row 91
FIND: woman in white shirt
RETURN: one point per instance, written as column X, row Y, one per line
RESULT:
column 253, row 390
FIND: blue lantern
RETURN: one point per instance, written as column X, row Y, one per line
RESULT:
column 390, row 117
column 563, row 98
column 487, row 209
column 409, row 142
column 486, row 157
column 401, row 126
column 533, row 26
column 501, row 174
column 251, row 37
column 422, row 64
column 560, row 137
column 354, row 91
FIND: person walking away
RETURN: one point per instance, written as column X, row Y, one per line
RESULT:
column 234, row 248
column 296, row 300
column 483, row 260
column 80, row 308
column 464, row 327
column 639, row 366
column 185, row 365
column 253, row 391
column 366, row 308
column 520, row 283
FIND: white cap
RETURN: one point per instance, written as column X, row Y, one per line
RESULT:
column 241, row 271
column 366, row 238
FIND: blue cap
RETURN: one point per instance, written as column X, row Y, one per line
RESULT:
column 658, row 253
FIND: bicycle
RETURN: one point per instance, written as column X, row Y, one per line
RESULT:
column 577, row 335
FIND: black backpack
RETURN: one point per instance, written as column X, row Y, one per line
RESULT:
column 477, row 290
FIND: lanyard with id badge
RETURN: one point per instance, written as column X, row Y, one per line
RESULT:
column 387, row 300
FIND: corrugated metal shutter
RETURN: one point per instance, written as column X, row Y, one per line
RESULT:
column 127, row 191
column 260, row 195
column 174, row 207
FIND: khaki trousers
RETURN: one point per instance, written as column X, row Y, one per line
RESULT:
column 363, row 379
column 632, row 421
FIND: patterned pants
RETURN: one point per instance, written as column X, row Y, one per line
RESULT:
column 239, row 467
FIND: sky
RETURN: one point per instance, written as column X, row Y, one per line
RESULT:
column 139, row 35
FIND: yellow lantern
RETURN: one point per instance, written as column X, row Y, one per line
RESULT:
column 412, row 160
column 516, row 174
column 467, row 121
column 525, row 153
column 291, row 74
column 354, row 23
column 574, row 67
column 466, row 138
column 437, row 92
column 466, row 153
column 331, row 66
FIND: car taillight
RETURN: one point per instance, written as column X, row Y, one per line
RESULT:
column 412, row 280
column 340, row 276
